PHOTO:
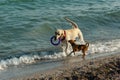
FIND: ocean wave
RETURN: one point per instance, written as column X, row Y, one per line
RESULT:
column 101, row 47
column 27, row 59
column 97, row 47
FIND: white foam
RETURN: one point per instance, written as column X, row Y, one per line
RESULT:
column 16, row 61
column 27, row 59
column 98, row 47
column 108, row 46
column 101, row 47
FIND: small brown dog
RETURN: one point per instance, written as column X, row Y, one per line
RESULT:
column 77, row 47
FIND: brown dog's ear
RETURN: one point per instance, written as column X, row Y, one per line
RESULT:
column 74, row 40
column 68, row 40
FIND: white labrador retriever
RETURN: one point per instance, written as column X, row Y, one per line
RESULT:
column 70, row 34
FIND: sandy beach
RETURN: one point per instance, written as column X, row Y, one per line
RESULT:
column 74, row 68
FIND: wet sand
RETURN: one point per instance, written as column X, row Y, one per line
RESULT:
column 74, row 68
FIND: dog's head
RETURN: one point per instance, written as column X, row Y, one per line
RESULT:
column 71, row 41
column 59, row 34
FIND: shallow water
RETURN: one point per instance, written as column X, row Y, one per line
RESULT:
column 20, row 72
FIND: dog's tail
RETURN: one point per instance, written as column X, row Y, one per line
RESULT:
column 87, row 44
column 73, row 23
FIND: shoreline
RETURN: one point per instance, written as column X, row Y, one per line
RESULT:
column 74, row 69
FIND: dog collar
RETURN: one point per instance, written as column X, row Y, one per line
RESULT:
column 64, row 36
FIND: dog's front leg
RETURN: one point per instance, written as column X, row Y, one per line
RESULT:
column 70, row 53
column 74, row 52
column 66, row 47
column 83, row 54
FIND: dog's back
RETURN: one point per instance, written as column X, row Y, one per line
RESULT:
column 80, row 47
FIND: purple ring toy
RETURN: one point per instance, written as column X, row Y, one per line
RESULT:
column 54, row 43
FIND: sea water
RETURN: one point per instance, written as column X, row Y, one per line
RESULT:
column 27, row 25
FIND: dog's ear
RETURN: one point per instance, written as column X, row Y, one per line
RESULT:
column 68, row 40
column 74, row 40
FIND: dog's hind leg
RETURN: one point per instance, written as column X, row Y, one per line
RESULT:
column 80, row 35
column 74, row 53
column 83, row 54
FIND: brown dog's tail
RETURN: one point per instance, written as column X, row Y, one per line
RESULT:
column 87, row 44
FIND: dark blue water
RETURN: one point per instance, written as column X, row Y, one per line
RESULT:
column 27, row 25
